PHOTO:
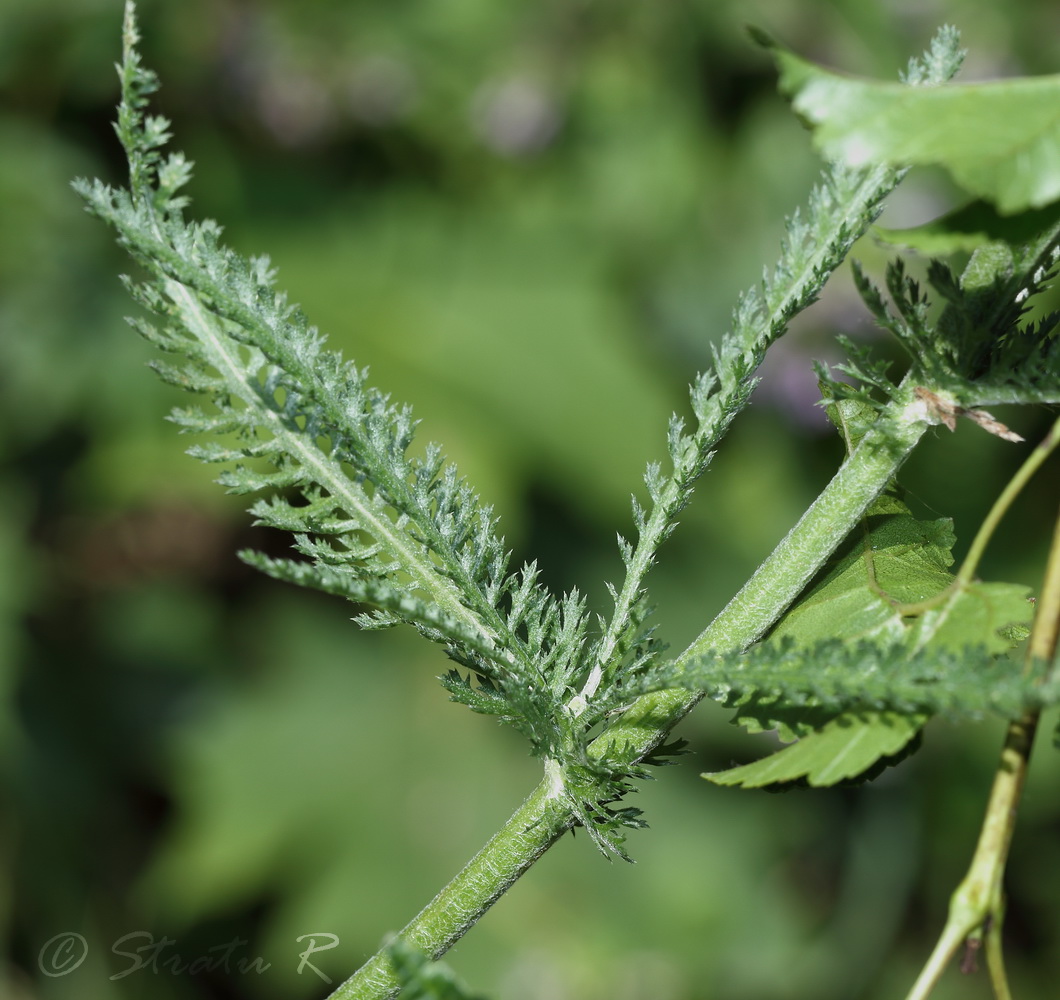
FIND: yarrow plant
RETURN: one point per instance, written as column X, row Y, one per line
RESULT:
column 846, row 640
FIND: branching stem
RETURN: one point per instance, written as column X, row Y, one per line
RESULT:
column 977, row 906
column 966, row 574
column 1034, row 461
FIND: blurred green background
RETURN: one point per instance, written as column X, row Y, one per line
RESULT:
column 531, row 220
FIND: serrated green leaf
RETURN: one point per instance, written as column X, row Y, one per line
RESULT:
column 969, row 227
column 993, row 613
column 851, row 417
column 1000, row 140
column 890, row 584
column 895, row 558
column 893, row 583
column 844, row 748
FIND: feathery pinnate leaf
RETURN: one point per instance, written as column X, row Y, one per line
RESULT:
column 818, row 681
column 818, row 239
column 979, row 349
column 402, row 534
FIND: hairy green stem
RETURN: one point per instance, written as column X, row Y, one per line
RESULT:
column 966, row 574
column 532, row 829
column 831, row 517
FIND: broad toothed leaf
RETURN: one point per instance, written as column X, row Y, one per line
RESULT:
column 892, row 582
column 999, row 140
column 889, row 598
column 842, row 749
column 969, row 227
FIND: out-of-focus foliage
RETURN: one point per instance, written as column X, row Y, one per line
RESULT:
column 457, row 193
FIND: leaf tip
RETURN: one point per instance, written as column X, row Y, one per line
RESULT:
column 760, row 37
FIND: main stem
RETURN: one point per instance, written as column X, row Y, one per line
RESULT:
column 532, row 829
column 547, row 813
